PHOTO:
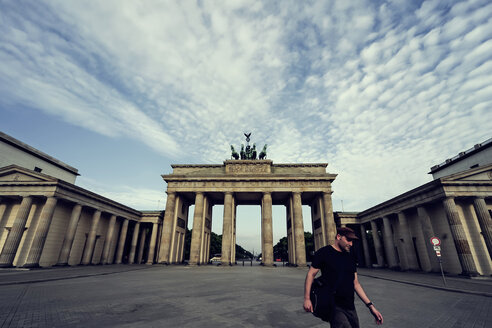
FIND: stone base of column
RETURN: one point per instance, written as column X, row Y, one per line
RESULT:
column 469, row 274
column 149, row 263
column 6, row 266
column 61, row 265
column 31, row 265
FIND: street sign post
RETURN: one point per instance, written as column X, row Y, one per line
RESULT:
column 436, row 242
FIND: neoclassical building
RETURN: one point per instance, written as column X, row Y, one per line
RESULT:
column 242, row 182
column 456, row 207
column 46, row 220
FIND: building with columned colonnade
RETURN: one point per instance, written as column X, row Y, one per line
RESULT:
column 245, row 182
column 46, row 220
column 456, row 207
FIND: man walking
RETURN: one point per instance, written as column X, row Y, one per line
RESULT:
column 338, row 268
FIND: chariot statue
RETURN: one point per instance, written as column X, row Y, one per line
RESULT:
column 248, row 152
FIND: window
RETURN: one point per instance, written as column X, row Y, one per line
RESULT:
column 38, row 169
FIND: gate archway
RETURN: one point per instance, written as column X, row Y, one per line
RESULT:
column 243, row 182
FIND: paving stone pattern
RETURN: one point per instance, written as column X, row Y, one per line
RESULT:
column 210, row 296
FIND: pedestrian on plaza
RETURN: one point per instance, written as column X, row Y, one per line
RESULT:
column 338, row 268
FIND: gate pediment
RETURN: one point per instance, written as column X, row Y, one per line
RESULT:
column 14, row 173
column 483, row 173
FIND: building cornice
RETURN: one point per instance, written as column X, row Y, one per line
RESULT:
column 37, row 153
column 461, row 156
column 398, row 203
column 249, row 177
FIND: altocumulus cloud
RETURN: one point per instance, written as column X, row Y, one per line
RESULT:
column 380, row 90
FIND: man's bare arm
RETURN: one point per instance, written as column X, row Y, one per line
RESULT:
column 308, row 307
column 362, row 295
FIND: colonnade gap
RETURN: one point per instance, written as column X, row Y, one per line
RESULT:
column 245, row 182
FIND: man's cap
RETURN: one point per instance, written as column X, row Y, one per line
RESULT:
column 347, row 232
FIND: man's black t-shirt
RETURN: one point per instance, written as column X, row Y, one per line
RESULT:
column 338, row 267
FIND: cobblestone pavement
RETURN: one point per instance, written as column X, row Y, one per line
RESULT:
column 478, row 285
column 210, row 296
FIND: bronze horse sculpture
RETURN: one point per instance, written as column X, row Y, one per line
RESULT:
column 234, row 153
column 263, row 152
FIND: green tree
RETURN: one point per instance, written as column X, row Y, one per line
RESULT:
column 241, row 253
column 309, row 240
column 280, row 250
column 215, row 246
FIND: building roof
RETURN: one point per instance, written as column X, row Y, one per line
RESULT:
column 37, row 153
column 464, row 154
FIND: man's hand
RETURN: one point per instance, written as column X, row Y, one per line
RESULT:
column 308, row 306
column 377, row 315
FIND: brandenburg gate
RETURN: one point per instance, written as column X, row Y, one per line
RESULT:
column 245, row 181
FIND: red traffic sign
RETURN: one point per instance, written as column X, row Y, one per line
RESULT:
column 438, row 253
column 435, row 241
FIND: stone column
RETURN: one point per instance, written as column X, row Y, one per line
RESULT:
column 233, row 232
column 203, row 234
column 377, row 244
column 109, row 238
column 300, row 244
column 196, row 235
column 267, row 232
column 484, row 221
column 143, row 237
column 133, row 248
column 3, row 221
column 226, row 256
column 365, row 246
column 3, row 218
column 44, row 223
column 428, row 232
column 164, row 256
column 331, row 229
column 121, row 242
column 91, row 239
column 15, row 235
column 459, row 238
column 409, row 255
column 290, row 236
column 389, row 244
column 153, row 237
column 69, row 236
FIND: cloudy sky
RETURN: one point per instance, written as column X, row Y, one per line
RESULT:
column 380, row 90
